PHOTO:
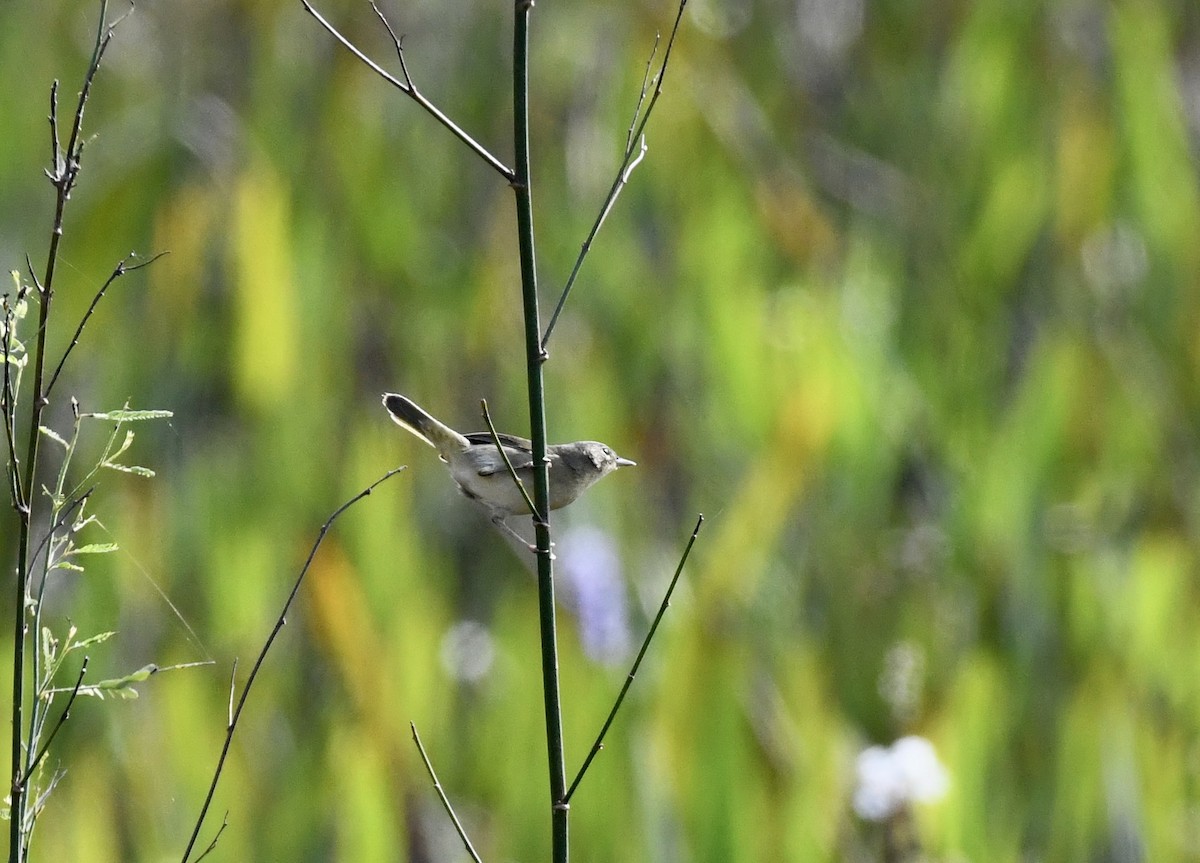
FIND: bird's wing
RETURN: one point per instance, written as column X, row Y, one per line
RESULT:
column 508, row 440
column 518, row 449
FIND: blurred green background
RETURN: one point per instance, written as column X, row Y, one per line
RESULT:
column 905, row 299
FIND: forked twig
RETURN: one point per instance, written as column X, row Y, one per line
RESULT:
column 398, row 41
column 213, row 844
column 8, row 403
column 65, row 513
column 637, row 109
column 627, row 167
column 280, row 621
column 409, row 89
column 68, row 162
column 441, row 793
column 634, row 153
column 662, row 609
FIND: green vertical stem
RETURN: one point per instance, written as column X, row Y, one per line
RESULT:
column 17, row 787
column 16, row 825
column 534, row 357
column 63, row 175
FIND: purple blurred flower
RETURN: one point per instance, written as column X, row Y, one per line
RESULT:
column 594, row 591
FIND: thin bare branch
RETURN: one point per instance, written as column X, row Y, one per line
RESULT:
column 613, row 192
column 213, row 844
column 662, row 609
column 121, row 269
column 662, row 70
column 280, row 621
column 487, row 418
column 634, row 153
column 55, row 149
column 398, row 41
column 637, row 109
column 65, row 514
column 39, row 804
column 62, row 718
column 232, row 692
column 37, row 285
column 407, row 88
column 9, row 405
column 72, row 157
column 441, row 793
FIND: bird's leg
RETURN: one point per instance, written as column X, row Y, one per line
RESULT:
column 501, row 524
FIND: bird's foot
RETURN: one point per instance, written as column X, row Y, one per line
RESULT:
column 501, row 524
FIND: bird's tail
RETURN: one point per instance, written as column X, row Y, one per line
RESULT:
column 410, row 416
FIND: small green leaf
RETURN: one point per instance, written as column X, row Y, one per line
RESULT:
column 124, row 446
column 135, row 469
column 122, row 687
column 49, row 645
column 66, row 564
column 98, row 638
column 127, row 693
column 95, row 548
column 82, row 523
column 138, row 676
column 54, row 436
column 128, row 416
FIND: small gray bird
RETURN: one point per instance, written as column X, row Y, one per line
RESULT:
column 481, row 474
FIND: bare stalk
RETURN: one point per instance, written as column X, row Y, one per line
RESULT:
column 634, row 153
column 637, row 663
column 236, row 713
column 408, row 88
column 123, row 267
column 512, row 472
column 534, row 358
column 62, row 718
column 441, row 793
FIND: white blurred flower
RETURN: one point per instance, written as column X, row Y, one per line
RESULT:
column 892, row 777
column 830, row 26
column 467, row 651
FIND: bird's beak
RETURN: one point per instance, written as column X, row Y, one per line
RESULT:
column 625, row 462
